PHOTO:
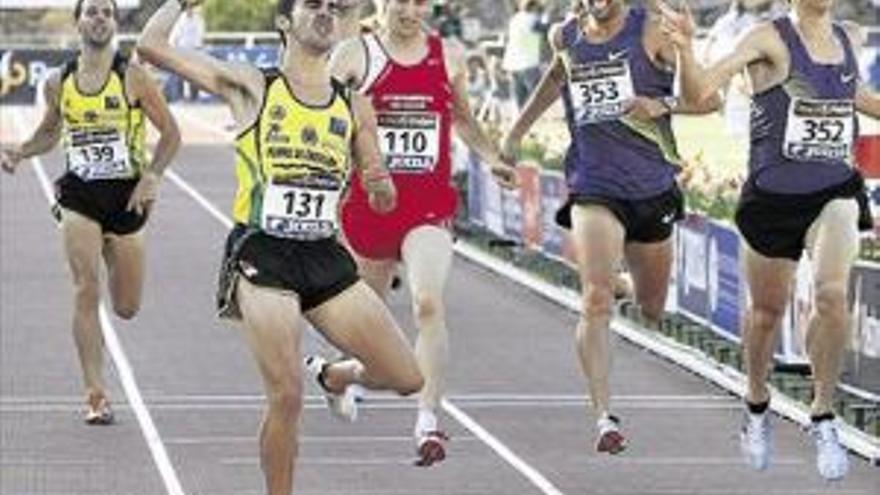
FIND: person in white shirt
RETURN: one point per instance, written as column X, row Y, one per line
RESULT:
column 188, row 33
column 522, row 58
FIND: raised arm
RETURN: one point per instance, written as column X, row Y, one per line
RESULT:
column 699, row 85
column 47, row 133
column 664, row 53
column 348, row 62
column 547, row 92
column 375, row 178
column 224, row 79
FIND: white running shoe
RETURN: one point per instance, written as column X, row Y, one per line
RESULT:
column 610, row 440
column 755, row 440
column 831, row 459
column 342, row 406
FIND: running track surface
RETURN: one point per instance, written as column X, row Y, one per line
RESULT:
column 188, row 398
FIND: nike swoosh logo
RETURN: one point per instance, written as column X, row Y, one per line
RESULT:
column 618, row 54
column 847, row 78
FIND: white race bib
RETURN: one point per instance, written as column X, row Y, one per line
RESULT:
column 819, row 130
column 299, row 212
column 600, row 90
column 409, row 141
column 98, row 154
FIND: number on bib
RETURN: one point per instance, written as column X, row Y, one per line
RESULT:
column 98, row 154
column 600, row 90
column 410, row 142
column 819, row 130
column 300, row 212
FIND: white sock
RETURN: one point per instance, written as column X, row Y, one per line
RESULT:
column 426, row 421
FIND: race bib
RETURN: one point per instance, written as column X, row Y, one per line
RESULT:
column 600, row 90
column 819, row 130
column 98, row 154
column 409, row 141
column 295, row 211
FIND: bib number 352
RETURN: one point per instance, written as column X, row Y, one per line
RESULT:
column 819, row 130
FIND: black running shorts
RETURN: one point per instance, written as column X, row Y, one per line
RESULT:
column 314, row 271
column 103, row 201
column 646, row 220
column 775, row 225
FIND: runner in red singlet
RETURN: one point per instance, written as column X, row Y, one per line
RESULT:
column 418, row 86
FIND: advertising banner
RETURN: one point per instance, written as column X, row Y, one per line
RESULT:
column 21, row 72
column 725, row 284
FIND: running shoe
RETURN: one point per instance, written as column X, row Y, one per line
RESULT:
column 430, row 448
column 611, row 440
column 100, row 415
column 831, row 459
column 755, row 440
column 343, row 405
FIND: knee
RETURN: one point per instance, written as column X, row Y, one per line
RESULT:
column 831, row 300
column 766, row 317
column 597, row 300
column 427, row 306
column 285, row 400
column 87, row 292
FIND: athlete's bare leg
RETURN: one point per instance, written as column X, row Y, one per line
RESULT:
column 124, row 257
column 769, row 281
column 599, row 241
column 271, row 327
column 82, row 244
column 377, row 273
column 833, row 243
column 359, row 324
column 650, row 264
column 427, row 255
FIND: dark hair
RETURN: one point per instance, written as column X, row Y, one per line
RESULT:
column 77, row 9
column 285, row 7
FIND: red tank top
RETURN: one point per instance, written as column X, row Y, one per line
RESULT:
column 413, row 106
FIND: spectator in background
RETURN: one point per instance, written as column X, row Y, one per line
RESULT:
column 188, row 33
column 447, row 18
column 522, row 58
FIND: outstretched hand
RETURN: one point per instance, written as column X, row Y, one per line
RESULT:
column 677, row 24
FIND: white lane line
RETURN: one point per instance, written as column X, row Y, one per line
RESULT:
column 525, row 469
column 123, row 368
column 686, row 357
column 502, row 450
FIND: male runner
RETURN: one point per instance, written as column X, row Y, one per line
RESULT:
column 298, row 129
column 802, row 192
column 615, row 72
column 97, row 103
column 418, row 85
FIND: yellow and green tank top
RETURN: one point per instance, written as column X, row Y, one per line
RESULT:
column 293, row 163
column 104, row 137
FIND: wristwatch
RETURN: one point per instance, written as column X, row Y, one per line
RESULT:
column 671, row 103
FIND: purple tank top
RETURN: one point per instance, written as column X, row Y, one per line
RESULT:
column 611, row 155
column 803, row 130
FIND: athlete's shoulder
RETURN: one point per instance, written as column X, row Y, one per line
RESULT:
column 855, row 32
column 555, row 34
